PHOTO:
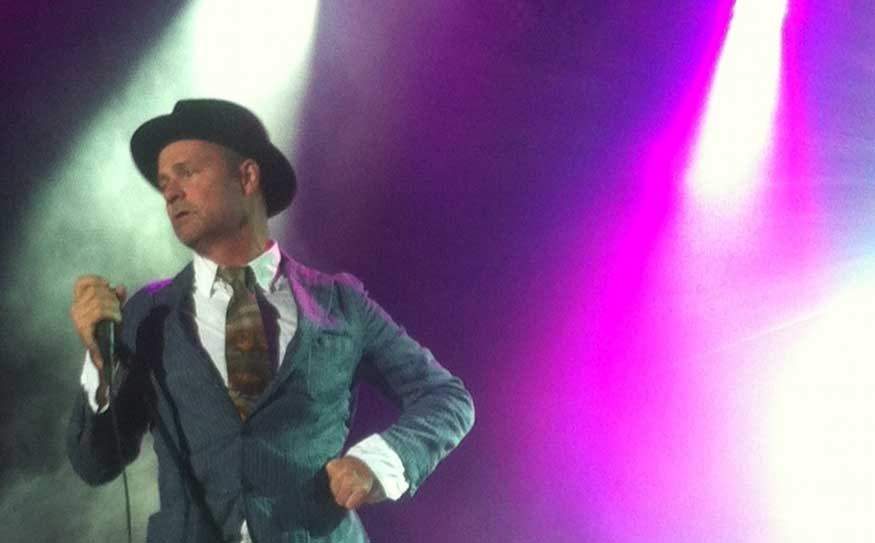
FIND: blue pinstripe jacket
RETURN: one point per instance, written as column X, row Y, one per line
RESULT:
column 269, row 469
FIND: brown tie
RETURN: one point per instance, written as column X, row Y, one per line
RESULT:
column 246, row 348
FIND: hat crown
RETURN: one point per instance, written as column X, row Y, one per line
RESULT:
column 225, row 123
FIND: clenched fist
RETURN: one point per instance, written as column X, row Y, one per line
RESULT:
column 352, row 482
column 93, row 301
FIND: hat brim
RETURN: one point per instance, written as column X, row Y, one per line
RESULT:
column 277, row 175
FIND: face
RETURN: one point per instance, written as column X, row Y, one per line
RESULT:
column 204, row 194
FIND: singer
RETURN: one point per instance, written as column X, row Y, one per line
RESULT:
column 244, row 365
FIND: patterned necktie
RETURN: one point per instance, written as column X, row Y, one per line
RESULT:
column 246, row 348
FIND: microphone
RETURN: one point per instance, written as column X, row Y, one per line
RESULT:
column 104, row 333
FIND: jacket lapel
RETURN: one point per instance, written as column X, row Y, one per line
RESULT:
column 313, row 316
column 186, row 348
column 189, row 356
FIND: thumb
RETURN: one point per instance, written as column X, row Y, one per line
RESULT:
column 121, row 293
column 331, row 467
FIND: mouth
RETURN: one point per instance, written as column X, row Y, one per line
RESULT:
column 180, row 215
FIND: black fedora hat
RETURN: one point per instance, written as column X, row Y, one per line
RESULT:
column 225, row 123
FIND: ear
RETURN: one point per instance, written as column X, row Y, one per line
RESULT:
column 250, row 177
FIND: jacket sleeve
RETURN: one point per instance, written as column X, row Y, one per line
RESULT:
column 92, row 445
column 436, row 409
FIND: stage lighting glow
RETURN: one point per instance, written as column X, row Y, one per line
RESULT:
column 821, row 431
column 251, row 50
column 93, row 213
column 256, row 53
column 736, row 130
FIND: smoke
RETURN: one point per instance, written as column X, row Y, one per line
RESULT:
column 92, row 213
column 56, row 506
column 39, row 492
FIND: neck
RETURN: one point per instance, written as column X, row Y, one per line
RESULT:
column 237, row 250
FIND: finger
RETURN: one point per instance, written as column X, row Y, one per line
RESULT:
column 109, row 309
column 346, row 493
column 96, row 359
column 340, row 495
column 340, row 481
column 102, row 299
column 88, row 293
column 355, row 499
column 339, row 489
column 86, row 316
column 100, row 310
column 87, row 281
column 98, row 293
column 81, row 329
column 95, row 297
column 99, row 290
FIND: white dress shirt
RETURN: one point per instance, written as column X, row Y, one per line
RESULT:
column 211, row 296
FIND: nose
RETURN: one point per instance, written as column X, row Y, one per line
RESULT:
column 171, row 191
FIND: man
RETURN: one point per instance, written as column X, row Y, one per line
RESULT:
column 243, row 365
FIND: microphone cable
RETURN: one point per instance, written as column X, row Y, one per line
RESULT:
column 105, row 335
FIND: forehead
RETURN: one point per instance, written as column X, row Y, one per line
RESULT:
column 187, row 150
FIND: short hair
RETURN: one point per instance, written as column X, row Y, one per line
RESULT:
column 233, row 159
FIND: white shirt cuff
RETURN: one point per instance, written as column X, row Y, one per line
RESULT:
column 90, row 381
column 384, row 462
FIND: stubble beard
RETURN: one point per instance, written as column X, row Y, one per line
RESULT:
column 203, row 239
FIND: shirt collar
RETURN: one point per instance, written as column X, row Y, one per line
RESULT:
column 265, row 267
